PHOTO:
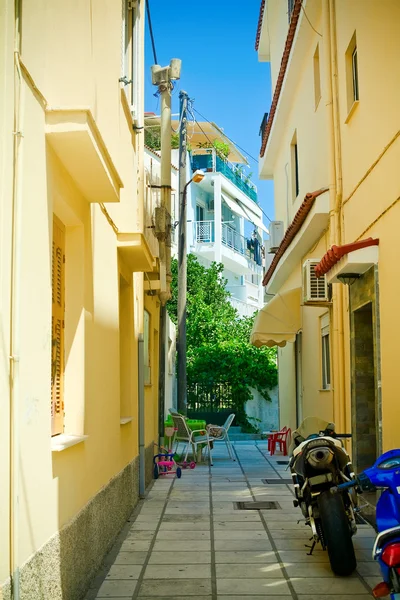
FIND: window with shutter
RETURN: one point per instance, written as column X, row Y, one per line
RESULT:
column 57, row 327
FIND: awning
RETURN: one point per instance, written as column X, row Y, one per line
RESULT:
column 234, row 206
column 279, row 321
column 255, row 219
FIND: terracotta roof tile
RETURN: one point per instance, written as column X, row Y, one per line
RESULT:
column 292, row 231
column 260, row 20
column 335, row 253
column 282, row 72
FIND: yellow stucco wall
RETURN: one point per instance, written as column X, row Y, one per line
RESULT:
column 368, row 139
column 79, row 70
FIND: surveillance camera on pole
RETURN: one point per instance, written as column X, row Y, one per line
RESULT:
column 164, row 75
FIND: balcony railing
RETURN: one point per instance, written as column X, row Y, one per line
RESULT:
column 214, row 163
column 204, row 232
column 232, row 239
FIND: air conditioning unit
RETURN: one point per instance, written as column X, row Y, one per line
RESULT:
column 315, row 290
column 276, row 232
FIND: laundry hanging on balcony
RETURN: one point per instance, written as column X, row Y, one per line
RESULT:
column 279, row 321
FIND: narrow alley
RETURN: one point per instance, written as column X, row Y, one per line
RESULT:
column 188, row 539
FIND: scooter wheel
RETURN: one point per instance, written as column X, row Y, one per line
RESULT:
column 179, row 472
column 192, row 464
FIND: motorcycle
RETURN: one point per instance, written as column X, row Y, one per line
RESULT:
column 318, row 463
column 384, row 474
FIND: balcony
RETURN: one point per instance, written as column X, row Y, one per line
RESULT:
column 204, row 233
column 213, row 163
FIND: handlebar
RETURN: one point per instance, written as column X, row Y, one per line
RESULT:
column 344, row 435
column 362, row 482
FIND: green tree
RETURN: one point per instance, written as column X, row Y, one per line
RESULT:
column 152, row 138
column 218, row 347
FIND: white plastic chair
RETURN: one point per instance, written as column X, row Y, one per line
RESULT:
column 188, row 437
column 223, row 435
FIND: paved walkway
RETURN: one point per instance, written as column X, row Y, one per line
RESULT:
column 186, row 540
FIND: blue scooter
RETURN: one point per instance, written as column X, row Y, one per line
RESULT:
column 384, row 474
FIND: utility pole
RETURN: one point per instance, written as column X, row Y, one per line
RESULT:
column 182, row 257
column 162, row 77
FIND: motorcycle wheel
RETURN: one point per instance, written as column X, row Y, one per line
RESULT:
column 337, row 535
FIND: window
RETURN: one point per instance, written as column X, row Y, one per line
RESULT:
column 146, row 336
column 57, row 328
column 199, row 212
column 325, row 352
column 317, row 78
column 295, row 167
column 352, row 84
column 128, row 53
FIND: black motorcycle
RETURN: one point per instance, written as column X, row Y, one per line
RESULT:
column 318, row 463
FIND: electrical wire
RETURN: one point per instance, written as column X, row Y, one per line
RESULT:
column 311, row 25
column 242, row 149
column 151, row 32
column 203, row 117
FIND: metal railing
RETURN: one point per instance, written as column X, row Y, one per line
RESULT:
column 244, row 309
column 204, row 232
column 232, row 239
column 212, row 162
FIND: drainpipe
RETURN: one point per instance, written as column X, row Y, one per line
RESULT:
column 14, row 316
column 142, row 462
column 336, row 194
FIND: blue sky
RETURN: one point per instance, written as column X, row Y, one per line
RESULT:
column 220, row 69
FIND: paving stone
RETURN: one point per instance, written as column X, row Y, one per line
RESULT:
column 243, row 544
column 246, row 571
column 178, row 571
column 180, row 557
column 297, row 556
column 185, row 525
column 238, row 525
column 223, row 597
column 118, row 589
column 368, row 569
column 328, row 585
column 336, row 597
column 170, row 587
column 246, row 587
column 238, row 534
column 130, row 558
column 144, row 526
column 124, row 572
column 183, row 535
column 247, row 557
column 191, row 546
column 177, row 595
column 186, row 518
column 131, row 545
column 139, row 534
column 236, row 515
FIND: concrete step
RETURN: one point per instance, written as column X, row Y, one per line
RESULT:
column 235, row 430
column 239, row 437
